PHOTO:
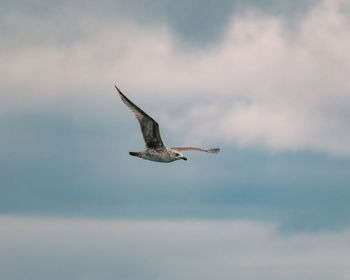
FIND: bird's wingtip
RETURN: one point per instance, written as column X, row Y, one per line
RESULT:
column 119, row 91
column 214, row 151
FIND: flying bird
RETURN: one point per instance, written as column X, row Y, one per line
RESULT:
column 155, row 149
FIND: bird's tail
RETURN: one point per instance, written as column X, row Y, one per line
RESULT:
column 135, row 154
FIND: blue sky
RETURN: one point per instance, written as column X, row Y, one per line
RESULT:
column 267, row 81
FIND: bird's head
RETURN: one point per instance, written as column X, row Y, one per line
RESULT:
column 177, row 155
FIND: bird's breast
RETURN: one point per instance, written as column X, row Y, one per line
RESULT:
column 158, row 155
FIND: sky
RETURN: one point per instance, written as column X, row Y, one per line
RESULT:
column 266, row 81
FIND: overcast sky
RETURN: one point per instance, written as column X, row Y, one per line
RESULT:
column 267, row 81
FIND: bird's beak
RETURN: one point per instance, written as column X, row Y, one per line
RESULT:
column 184, row 158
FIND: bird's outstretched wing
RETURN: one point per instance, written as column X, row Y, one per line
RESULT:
column 149, row 127
column 211, row 151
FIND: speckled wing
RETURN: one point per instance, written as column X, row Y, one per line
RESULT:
column 149, row 127
column 211, row 151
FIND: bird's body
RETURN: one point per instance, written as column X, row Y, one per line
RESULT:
column 155, row 149
column 160, row 155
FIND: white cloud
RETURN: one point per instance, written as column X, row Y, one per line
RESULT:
column 265, row 86
column 90, row 249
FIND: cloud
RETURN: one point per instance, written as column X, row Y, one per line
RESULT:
column 196, row 21
column 261, row 84
column 126, row 249
column 77, row 165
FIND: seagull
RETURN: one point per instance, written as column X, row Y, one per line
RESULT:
column 155, row 149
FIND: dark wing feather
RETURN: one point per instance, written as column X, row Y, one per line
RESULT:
column 149, row 127
column 211, row 151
